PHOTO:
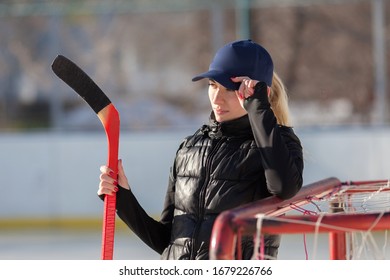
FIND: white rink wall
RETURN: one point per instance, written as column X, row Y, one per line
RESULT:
column 54, row 175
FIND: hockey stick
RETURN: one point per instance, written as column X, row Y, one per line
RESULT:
column 82, row 84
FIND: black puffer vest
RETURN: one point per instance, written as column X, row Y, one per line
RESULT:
column 216, row 169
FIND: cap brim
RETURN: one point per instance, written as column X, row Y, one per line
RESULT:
column 218, row 76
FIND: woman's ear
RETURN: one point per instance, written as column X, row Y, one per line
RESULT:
column 239, row 94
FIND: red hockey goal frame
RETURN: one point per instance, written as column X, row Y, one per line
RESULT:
column 231, row 225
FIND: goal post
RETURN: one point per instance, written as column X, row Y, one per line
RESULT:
column 339, row 218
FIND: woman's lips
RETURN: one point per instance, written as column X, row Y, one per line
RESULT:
column 220, row 111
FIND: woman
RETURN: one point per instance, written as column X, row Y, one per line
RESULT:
column 245, row 153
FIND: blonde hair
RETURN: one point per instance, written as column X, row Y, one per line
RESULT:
column 279, row 101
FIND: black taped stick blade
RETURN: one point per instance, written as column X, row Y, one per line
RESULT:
column 80, row 82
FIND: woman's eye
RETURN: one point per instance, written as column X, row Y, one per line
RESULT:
column 213, row 85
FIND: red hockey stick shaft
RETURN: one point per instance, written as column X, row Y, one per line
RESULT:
column 110, row 119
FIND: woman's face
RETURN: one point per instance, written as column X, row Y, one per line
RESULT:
column 224, row 102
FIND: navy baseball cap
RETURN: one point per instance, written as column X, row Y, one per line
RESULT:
column 239, row 58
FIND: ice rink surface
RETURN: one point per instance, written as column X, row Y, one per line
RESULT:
column 58, row 244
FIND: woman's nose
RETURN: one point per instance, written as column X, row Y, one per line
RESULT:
column 218, row 96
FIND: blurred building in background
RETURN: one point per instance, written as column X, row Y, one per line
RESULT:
column 332, row 56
